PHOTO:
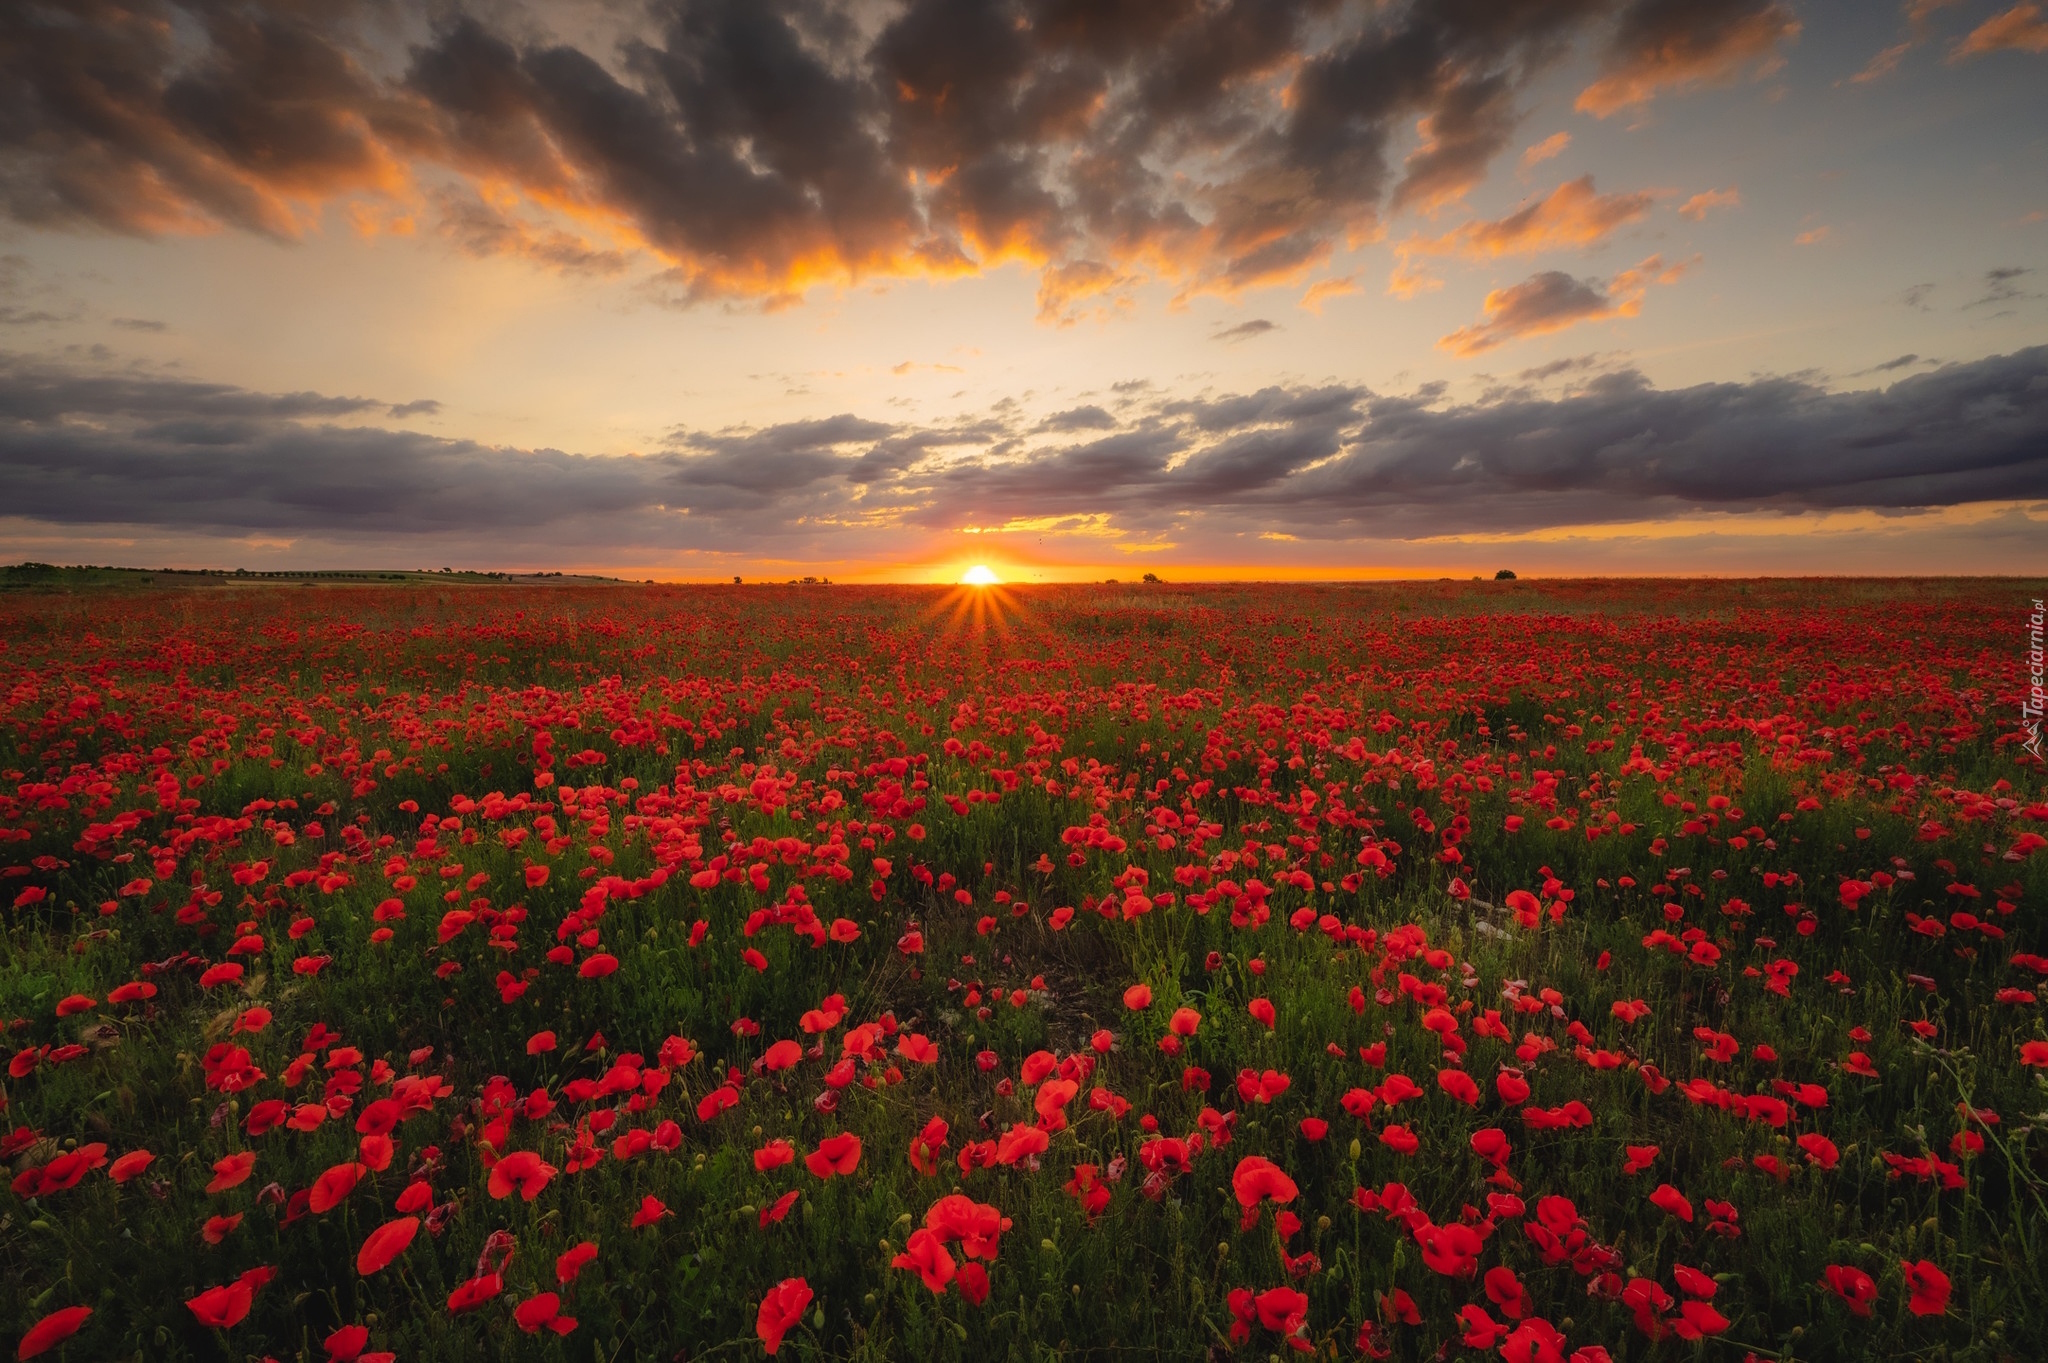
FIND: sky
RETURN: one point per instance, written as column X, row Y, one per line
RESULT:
column 1073, row 289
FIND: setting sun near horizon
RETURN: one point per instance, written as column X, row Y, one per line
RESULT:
column 980, row 575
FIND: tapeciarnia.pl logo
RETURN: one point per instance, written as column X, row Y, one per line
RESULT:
column 2030, row 708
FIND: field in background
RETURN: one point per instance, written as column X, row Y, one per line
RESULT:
column 1521, row 970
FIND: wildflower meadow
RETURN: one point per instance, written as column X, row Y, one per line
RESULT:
column 1539, row 971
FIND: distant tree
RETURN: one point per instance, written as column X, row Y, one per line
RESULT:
column 1151, row 577
column 1504, row 575
column 735, row 579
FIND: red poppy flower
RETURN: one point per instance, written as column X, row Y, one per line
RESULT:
column 347, row 1343
column 386, row 1243
column 1929, row 1287
column 780, row 1309
column 334, row 1186
column 474, row 1293
column 837, row 1154
column 231, row 1170
column 227, row 1305
column 1256, row 1179
column 129, row 1165
column 925, row 1146
column 1459, row 1085
column 572, row 1261
column 1820, row 1149
column 717, row 1101
column 542, row 1312
column 522, row 1169
column 1451, row 1250
column 652, row 1209
column 1671, row 1200
column 926, row 1255
column 52, row 1330
column 779, row 1208
column 1852, row 1285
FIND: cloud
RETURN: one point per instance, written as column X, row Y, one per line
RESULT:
column 2019, row 29
column 1472, row 124
column 1553, row 300
column 1882, row 65
column 1244, row 331
column 1915, row 296
column 480, row 229
column 751, row 150
column 1676, row 44
column 1550, row 146
column 1090, row 418
column 1900, row 362
column 138, row 324
column 417, row 407
column 144, row 117
column 1705, row 202
column 1918, row 12
column 1323, row 290
column 1550, row 369
column 1082, row 290
column 1572, row 215
column 1813, row 236
column 2001, row 285
column 1333, row 463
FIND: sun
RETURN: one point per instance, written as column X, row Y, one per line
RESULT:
column 980, row 576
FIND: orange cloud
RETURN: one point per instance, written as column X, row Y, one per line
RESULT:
column 1677, row 48
column 1083, row 289
column 1324, row 290
column 1406, row 280
column 1699, row 205
column 1550, row 146
column 1572, row 215
column 1883, row 64
column 1813, row 236
column 1553, row 300
column 2019, row 29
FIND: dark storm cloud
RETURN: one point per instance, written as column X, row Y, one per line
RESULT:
column 760, row 146
column 1335, row 462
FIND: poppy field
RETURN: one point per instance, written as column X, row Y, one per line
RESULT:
column 1521, row 970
